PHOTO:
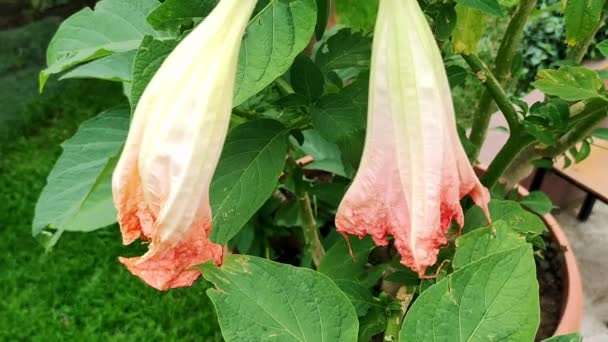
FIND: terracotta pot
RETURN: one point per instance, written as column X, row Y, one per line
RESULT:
column 572, row 310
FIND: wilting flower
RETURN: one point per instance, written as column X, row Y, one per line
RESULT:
column 413, row 170
column 161, row 183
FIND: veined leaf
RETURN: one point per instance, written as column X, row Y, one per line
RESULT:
column 172, row 14
column 114, row 26
column 570, row 83
column 582, row 18
column 274, row 37
column 248, row 172
column 115, row 67
column 469, row 29
column 345, row 49
column 491, row 7
column 510, row 212
column 482, row 242
column 538, row 202
column 493, row 298
column 261, row 300
column 149, row 57
column 78, row 194
column 576, row 337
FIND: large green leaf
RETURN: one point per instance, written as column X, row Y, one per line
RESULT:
column 114, row 26
column 538, row 202
column 261, row 300
column 172, row 14
column 345, row 49
column 78, row 194
column 512, row 213
column 570, row 83
column 148, row 59
column 491, row 7
column 306, row 78
column 115, row 67
column 492, row 299
column 338, row 263
column 582, row 18
column 469, row 29
column 326, row 155
column 248, row 172
column 485, row 241
column 274, row 37
column 341, row 119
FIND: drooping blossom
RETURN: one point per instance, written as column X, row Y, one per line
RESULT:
column 414, row 171
column 161, row 182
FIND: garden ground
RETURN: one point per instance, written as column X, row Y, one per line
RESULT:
column 79, row 290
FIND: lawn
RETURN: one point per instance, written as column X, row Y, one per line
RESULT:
column 77, row 291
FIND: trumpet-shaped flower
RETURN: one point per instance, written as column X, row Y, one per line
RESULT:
column 161, row 182
column 414, row 171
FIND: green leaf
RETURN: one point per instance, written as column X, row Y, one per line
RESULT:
column 116, row 67
column 576, row 337
column 78, row 194
column 345, row 49
column 247, row 174
column 323, row 12
column 445, row 22
column 456, row 75
column 274, row 37
column 600, row 133
column 341, row 119
column 491, row 7
column 339, row 264
column 494, row 298
column 261, row 300
column 357, row 14
column 570, row 83
column 306, row 79
column 483, row 242
column 510, row 212
column 359, row 296
column 469, row 29
column 326, row 155
column 372, row 324
column 582, row 152
column 603, row 47
column 538, row 202
column 114, row 26
column 148, row 59
column 582, row 18
column 172, row 14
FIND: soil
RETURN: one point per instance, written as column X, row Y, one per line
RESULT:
column 549, row 271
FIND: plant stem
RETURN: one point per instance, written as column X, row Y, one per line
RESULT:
column 509, row 152
column 395, row 319
column 306, row 213
column 502, row 71
column 283, row 86
column 578, row 51
column 495, row 89
column 311, row 232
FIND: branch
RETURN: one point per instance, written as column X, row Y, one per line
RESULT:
column 495, row 89
column 395, row 319
column 502, row 70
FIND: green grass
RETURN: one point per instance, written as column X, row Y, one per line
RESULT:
column 79, row 290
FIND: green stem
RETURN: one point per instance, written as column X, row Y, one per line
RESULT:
column 395, row 319
column 284, row 86
column 245, row 114
column 509, row 152
column 579, row 50
column 496, row 90
column 502, row 71
column 307, row 215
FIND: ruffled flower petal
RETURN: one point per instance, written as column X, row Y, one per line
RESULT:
column 413, row 172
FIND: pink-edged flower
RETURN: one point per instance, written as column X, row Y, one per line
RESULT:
column 161, row 182
column 414, row 171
